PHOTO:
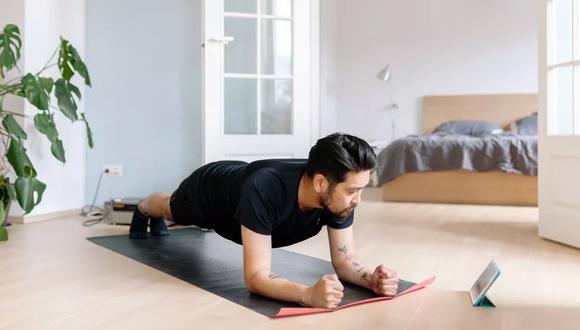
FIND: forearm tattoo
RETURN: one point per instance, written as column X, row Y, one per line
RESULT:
column 359, row 269
column 273, row 275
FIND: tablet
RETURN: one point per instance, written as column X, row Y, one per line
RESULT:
column 483, row 283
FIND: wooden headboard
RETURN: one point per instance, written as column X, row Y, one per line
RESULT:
column 500, row 109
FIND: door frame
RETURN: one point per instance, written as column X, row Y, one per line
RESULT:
column 558, row 219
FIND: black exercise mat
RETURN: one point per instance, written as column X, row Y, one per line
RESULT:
column 215, row 264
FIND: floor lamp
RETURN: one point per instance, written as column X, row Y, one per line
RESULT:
column 385, row 76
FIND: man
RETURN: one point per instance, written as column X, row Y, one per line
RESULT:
column 274, row 203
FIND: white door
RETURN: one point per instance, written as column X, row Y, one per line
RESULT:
column 260, row 79
column 559, row 114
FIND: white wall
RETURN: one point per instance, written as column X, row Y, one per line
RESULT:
column 434, row 47
column 12, row 12
column 328, row 69
column 145, row 104
column 42, row 22
column 46, row 21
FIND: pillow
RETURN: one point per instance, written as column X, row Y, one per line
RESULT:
column 466, row 127
column 527, row 125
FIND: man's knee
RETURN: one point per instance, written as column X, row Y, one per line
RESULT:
column 157, row 204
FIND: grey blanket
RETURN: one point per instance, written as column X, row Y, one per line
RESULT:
column 505, row 152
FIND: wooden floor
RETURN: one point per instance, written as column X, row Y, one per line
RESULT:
column 51, row 277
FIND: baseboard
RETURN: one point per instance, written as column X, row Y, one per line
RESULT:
column 44, row 216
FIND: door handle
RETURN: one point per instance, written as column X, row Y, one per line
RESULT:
column 223, row 40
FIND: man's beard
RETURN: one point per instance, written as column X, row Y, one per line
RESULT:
column 327, row 200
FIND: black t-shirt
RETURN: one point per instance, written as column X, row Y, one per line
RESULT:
column 262, row 196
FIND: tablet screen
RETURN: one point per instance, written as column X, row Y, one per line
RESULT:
column 484, row 282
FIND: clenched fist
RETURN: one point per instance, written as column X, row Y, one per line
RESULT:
column 384, row 281
column 326, row 293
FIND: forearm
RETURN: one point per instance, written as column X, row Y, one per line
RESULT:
column 355, row 271
column 271, row 286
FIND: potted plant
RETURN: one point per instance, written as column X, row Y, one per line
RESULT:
column 18, row 177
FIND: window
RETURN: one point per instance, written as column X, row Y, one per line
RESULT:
column 258, row 67
column 563, row 67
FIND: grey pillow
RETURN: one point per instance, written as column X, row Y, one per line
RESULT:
column 527, row 125
column 469, row 127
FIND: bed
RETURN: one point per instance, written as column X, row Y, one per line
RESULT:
column 503, row 184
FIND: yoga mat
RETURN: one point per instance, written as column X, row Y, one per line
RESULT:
column 215, row 264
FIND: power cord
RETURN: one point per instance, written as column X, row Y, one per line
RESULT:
column 100, row 214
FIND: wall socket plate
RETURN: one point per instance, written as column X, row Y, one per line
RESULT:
column 114, row 170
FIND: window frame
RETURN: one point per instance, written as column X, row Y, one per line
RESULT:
column 552, row 65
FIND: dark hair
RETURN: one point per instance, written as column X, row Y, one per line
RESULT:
column 337, row 154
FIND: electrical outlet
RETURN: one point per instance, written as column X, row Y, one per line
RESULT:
column 114, row 170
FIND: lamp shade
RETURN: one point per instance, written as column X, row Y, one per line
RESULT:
column 385, row 74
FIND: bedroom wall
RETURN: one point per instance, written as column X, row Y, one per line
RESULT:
column 434, row 47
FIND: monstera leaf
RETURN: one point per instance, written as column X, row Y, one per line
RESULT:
column 7, row 193
column 64, row 91
column 3, row 231
column 44, row 123
column 12, row 127
column 69, row 60
column 10, row 44
column 25, row 189
column 20, row 162
column 37, row 90
column 89, row 131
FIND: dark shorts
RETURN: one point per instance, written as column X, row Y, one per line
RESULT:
column 184, row 204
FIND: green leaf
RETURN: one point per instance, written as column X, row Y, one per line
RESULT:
column 64, row 60
column 26, row 187
column 2, row 216
column 11, row 190
column 10, row 45
column 17, row 157
column 44, row 123
column 80, row 66
column 70, row 59
column 64, row 90
column 46, row 83
column 89, row 131
column 37, row 90
column 29, row 171
column 4, row 197
column 10, row 124
column 57, row 150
